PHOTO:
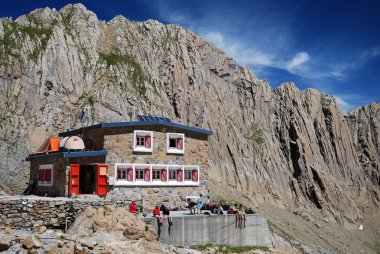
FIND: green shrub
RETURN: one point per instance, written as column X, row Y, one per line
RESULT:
column 255, row 134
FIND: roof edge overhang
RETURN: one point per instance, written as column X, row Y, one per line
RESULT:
column 135, row 124
column 67, row 154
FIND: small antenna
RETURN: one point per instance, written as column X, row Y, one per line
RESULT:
column 69, row 121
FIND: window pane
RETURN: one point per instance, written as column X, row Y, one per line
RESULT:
column 140, row 141
column 173, row 143
column 172, row 174
column 140, row 174
column 188, row 174
column 156, row 174
column 122, row 173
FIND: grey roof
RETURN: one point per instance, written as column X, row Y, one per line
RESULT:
column 66, row 154
column 153, row 121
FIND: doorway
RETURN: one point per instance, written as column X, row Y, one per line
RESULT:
column 87, row 179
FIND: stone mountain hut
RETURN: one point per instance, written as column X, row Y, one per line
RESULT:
column 152, row 159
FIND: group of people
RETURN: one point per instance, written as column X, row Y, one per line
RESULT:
column 133, row 208
column 165, row 214
column 195, row 206
column 205, row 204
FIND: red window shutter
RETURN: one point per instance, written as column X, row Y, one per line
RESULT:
column 163, row 175
column 179, row 175
column 41, row 175
column 147, row 175
column 147, row 141
column 48, row 175
column 179, row 143
column 130, row 174
column 195, row 175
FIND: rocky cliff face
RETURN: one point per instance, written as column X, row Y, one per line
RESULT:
column 53, row 63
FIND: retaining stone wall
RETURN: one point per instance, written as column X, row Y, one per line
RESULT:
column 28, row 212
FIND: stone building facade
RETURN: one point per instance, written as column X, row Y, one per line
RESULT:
column 154, row 161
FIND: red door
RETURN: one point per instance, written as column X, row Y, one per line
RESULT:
column 74, row 180
column 101, row 183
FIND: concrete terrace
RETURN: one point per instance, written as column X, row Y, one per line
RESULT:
column 188, row 230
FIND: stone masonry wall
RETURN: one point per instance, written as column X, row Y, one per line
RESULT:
column 27, row 212
column 119, row 144
column 59, row 177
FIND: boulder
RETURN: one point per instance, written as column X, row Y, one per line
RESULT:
column 31, row 242
column 4, row 244
column 41, row 229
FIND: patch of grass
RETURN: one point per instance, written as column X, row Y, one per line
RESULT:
column 202, row 246
column 37, row 32
column 135, row 72
column 278, row 230
column 66, row 19
column 91, row 101
column 15, row 34
column 8, row 43
column 229, row 249
column 255, row 134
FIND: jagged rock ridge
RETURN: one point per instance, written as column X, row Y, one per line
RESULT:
column 53, row 63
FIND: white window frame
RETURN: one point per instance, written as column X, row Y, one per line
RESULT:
column 185, row 173
column 171, row 150
column 46, row 166
column 124, row 167
column 157, row 182
column 190, row 168
column 137, row 148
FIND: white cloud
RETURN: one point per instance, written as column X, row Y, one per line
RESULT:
column 299, row 59
column 250, row 55
column 265, row 41
column 340, row 70
column 346, row 106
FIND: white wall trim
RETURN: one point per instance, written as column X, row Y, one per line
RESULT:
column 167, row 167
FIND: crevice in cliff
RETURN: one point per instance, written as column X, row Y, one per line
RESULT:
column 314, row 198
column 329, row 127
column 318, row 180
column 294, row 151
column 173, row 102
column 318, row 134
column 234, row 163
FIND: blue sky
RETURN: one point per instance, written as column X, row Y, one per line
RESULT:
column 333, row 46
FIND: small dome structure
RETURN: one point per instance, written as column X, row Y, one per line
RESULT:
column 71, row 143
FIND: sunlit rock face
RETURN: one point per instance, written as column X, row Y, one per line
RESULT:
column 312, row 155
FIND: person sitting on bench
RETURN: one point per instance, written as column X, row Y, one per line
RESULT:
column 157, row 214
column 133, row 208
column 166, row 213
column 220, row 210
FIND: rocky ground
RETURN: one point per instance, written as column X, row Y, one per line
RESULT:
column 106, row 230
column 300, row 231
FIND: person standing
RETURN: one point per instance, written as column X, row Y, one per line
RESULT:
column 200, row 203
